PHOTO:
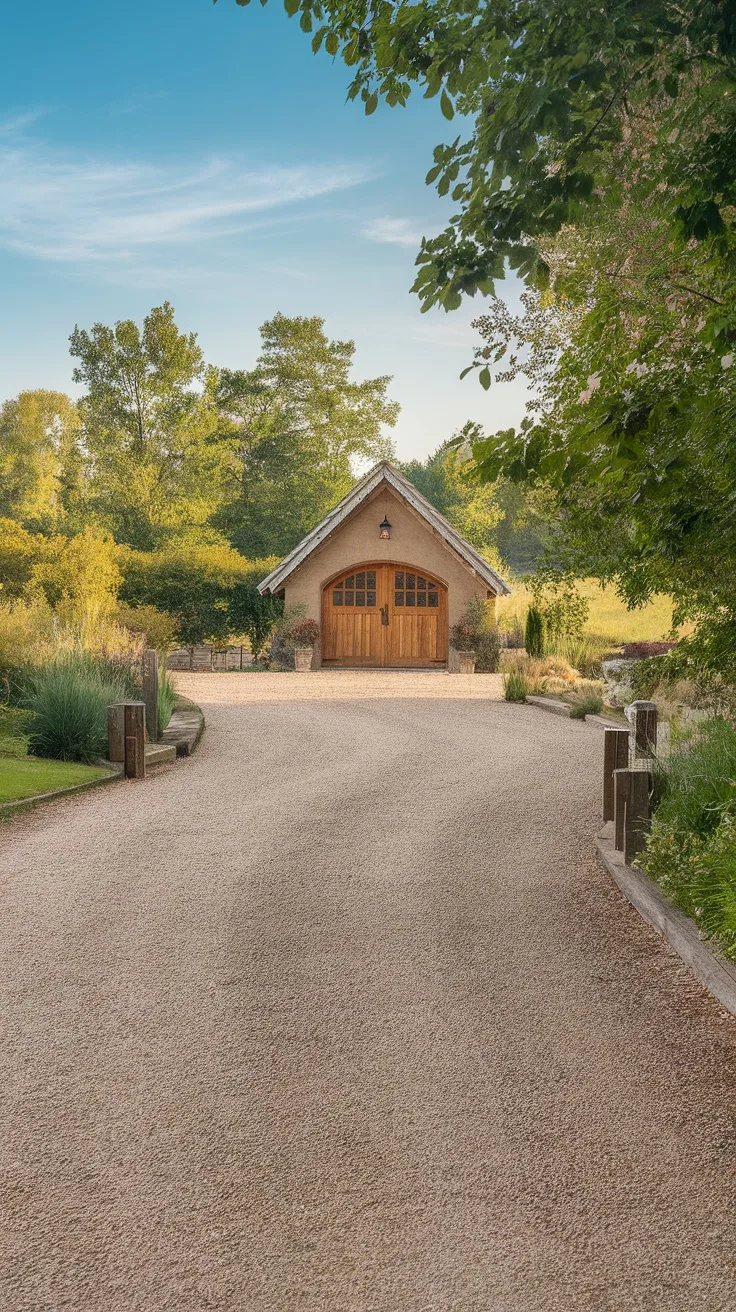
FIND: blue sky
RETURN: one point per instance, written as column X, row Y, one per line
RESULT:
column 201, row 154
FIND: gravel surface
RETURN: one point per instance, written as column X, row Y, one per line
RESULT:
column 342, row 1014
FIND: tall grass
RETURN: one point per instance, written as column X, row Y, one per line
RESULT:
column 608, row 618
column 515, row 686
column 68, row 701
column 166, row 700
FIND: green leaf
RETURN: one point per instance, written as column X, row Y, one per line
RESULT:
column 446, row 105
column 291, row 7
column 332, row 44
column 484, row 378
column 468, row 370
column 371, row 102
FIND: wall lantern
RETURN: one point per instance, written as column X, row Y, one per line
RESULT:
column 384, row 529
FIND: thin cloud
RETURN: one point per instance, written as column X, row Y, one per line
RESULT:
column 72, row 208
column 393, row 232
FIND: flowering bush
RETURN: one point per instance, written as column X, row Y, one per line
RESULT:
column 304, row 633
column 463, row 636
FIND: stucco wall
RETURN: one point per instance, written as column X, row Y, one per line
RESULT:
column 412, row 543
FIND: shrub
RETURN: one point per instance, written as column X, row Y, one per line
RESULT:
column 463, row 636
column 166, row 700
column 586, row 704
column 691, row 847
column 488, row 651
column 304, row 633
column 477, row 632
column 534, row 633
column 254, row 615
column 157, row 627
column 68, row 702
column 515, row 686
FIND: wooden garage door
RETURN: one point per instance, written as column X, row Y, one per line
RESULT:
column 384, row 615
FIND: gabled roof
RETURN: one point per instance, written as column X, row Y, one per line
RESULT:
column 385, row 472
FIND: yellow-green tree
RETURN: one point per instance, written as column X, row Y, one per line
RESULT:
column 148, row 420
column 41, row 463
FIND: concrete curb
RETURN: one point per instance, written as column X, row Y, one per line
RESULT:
column 25, row 803
column 714, row 971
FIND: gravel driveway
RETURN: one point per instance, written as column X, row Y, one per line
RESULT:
column 342, row 1015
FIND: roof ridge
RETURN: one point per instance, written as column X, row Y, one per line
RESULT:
column 383, row 471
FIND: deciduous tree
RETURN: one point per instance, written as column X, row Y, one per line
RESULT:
column 148, row 417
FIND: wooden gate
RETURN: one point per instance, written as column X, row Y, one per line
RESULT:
column 384, row 615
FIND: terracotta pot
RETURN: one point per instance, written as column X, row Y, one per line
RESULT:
column 303, row 659
column 467, row 662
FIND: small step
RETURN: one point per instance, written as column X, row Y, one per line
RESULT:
column 160, row 754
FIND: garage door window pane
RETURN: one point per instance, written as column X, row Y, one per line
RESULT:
column 337, row 597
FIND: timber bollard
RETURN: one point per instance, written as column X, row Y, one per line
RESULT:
column 116, row 732
column 633, row 811
column 150, row 692
column 615, row 757
column 135, row 740
column 126, row 735
column 643, row 718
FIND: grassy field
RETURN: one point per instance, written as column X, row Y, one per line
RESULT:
column 608, row 617
column 26, row 776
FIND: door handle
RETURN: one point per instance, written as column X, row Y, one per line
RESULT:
column 384, row 614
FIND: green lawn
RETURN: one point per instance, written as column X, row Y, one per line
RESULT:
column 26, row 776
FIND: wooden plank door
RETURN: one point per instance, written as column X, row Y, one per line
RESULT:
column 416, row 635
column 352, row 622
column 384, row 615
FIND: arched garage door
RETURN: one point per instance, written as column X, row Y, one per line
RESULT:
column 389, row 615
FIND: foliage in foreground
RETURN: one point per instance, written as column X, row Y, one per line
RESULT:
column 68, row 701
column 691, row 849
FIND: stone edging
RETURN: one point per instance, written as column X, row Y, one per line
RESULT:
column 25, row 803
column 713, row 970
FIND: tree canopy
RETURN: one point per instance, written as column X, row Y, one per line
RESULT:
column 544, row 95
column 147, row 417
column 291, row 431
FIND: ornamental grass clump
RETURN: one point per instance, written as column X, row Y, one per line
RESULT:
column 691, row 847
column 515, row 686
column 68, row 702
column 586, row 704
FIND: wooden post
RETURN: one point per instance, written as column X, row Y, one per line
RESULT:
column 116, row 732
column 633, row 794
column 621, row 794
column 644, row 715
column 150, row 692
column 638, row 814
column 135, row 740
column 615, row 757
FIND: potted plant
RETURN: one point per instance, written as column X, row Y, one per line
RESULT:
column 464, row 639
column 303, row 634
